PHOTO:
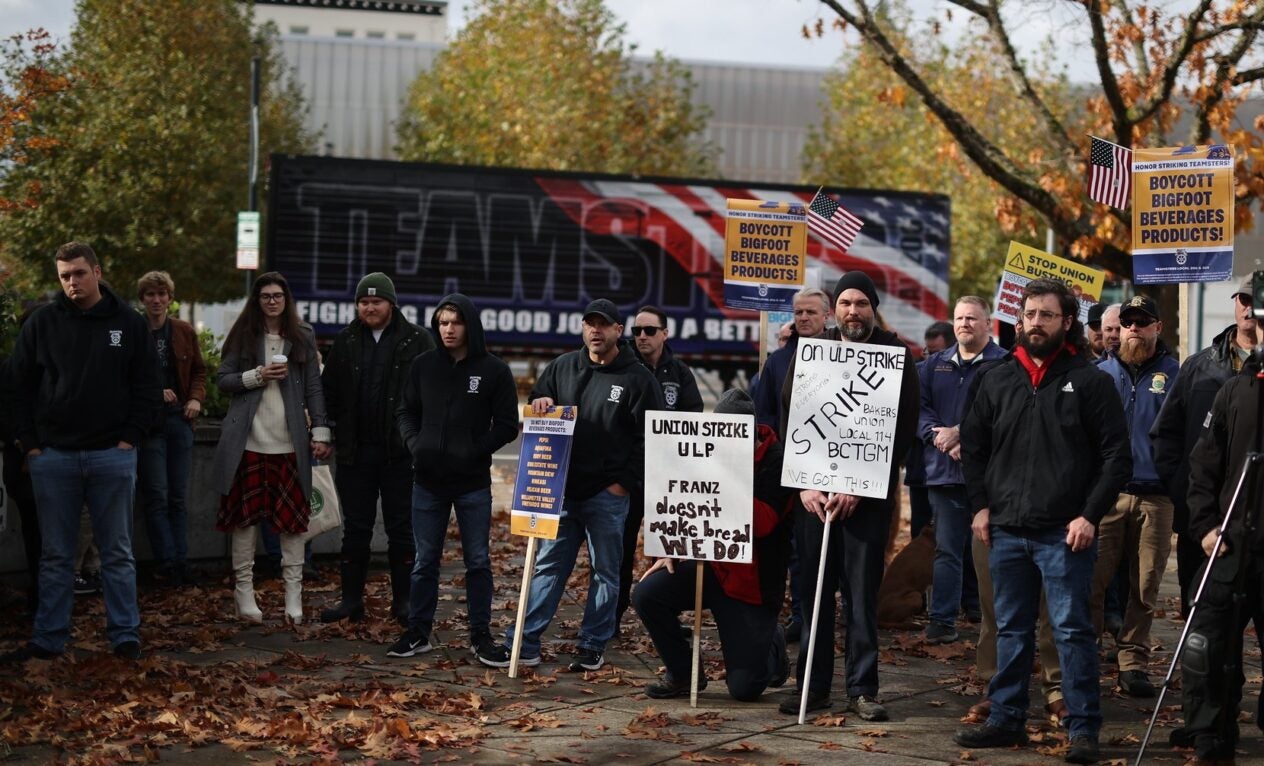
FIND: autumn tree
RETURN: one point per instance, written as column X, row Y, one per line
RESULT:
column 1154, row 67
column 551, row 84
column 146, row 157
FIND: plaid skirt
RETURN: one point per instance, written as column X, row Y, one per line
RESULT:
column 266, row 489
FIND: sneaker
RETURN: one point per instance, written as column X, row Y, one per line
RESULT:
column 87, row 584
column 492, row 654
column 816, row 701
column 939, row 633
column 586, row 659
column 524, row 660
column 1135, row 684
column 128, row 650
column 26, row 652
column 412, row 642
column 669, row 688
column 868, row 708
column 1083, row 749
column 989, row 736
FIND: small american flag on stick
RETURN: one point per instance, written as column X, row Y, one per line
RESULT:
column 1110, row 174
column 831, row 222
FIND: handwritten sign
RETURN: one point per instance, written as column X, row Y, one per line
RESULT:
column 764, row 262
column 1182, row 214
column 1023, row 264
column 699, row 486
column 841, row 426
column 542, row 466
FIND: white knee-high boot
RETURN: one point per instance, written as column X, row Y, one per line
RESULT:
column 292, row 573
column 243, row 547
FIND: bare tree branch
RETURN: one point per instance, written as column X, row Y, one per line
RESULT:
column 1189, row 39
column 1248, row 75
column 1110, row 83
column 1224, row 75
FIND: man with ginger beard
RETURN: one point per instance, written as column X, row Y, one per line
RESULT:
column 1138, row 530
column 1045, row 452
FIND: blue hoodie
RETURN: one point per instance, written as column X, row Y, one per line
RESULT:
column 945, row 384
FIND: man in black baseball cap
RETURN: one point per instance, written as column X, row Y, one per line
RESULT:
column 1093, row 330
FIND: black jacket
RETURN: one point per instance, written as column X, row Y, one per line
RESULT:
column 341, row 381
column 1181, row 419
column 454, row 414
column 1041, row 458
column 680, row 389
column 1216, row 463
column 85, row 379
column 609, row 443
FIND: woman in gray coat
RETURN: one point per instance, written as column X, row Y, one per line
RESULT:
column 263, row 463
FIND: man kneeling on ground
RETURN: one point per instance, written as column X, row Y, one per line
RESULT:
column 744, row 599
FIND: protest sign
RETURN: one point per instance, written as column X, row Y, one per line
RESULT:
column 841, row 425
column 699, row 492
column 764, row 254
column 1023, row 264
column 542, row 466
column 1182, row 214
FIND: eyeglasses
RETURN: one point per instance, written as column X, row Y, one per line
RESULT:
column 1138, row 322
column 271, row 297
column 650, row 331
column 1244, row 299
column 1032, row 317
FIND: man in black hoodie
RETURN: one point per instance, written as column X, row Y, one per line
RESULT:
column 459, row 406
column 86, row 390
column 612, row 391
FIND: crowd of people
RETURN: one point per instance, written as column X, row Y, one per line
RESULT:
column 1052, row 476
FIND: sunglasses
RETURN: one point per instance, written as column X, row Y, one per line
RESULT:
column 650, row 331
column 1139, row 322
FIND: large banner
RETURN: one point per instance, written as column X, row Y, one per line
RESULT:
column 1024, row 263
column 699, row 486
column 841, row 425
column 764, row 261
column 543, row 462
column 1182, row 214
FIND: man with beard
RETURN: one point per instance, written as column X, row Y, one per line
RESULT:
column 1110, row 331
column 1140, row 524
column 1045, row 451
column 1181, row 420
column 858, row 545
column 1093, row 330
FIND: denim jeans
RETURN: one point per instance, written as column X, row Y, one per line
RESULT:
column 952, row 552
column 65, row 481
column 599, row 520
column 163, row 466
column 1020, row 562
column 430, row 528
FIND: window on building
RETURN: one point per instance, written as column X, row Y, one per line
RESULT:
column 344, row 33
column 297, row 30
column 375, row 35
column 405, row 36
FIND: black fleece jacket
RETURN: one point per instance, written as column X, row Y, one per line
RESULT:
column 455, row 413
column 609, row 444
column 85, row 379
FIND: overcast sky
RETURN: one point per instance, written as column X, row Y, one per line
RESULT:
column 751, row 31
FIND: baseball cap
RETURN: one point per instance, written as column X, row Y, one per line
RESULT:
column 1095, row 315
column 1142, row 303
column 605, row 309
column 1245, row 287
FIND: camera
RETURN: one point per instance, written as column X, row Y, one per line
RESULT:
column 1257, row 295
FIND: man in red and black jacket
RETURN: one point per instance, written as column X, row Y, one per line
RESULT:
column 744, row 599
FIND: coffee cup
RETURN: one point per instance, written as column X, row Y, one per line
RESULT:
column 279, row 359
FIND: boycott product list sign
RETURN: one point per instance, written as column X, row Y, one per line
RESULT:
column 764, row 261
column 699, row 493
column 1182, row 214
column 542, row 466
column 841, row 426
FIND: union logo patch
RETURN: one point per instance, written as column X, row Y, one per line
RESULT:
column 1158, row 384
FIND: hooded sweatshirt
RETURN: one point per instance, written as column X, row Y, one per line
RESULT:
column 455, row 413
column 609, row 442
column 85, row 380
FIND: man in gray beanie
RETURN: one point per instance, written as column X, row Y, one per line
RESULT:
column 364, row 375
column 859, row 539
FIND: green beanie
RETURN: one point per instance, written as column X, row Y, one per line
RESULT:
column 376, row 285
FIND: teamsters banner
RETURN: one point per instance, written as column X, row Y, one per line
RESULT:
column 1182, row 214
column 699, row 486
column 840, row 431
column 543, row 463
column 764, row 246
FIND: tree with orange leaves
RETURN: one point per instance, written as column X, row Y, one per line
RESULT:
column 26, row 80
column 1154, row 67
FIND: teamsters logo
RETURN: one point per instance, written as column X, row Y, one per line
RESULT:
column 1182, row 256
column 116, row 338
column 671, row 392
column 474, row 380
column 615, row 393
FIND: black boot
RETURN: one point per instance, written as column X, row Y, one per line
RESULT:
column 354, row 569
column 401, row 561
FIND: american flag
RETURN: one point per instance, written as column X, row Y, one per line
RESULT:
column 1110, row 174
column 831, row 222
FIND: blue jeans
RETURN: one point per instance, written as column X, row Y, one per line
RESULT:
column 952, row 553
column 163, row 466
column 430, row 527
column 598, row 519
column 65, row 481
column 1019, row 564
